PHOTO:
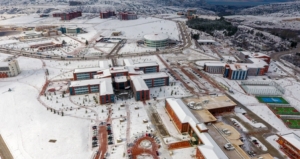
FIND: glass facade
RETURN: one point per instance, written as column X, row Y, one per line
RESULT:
column 94, row 89
column 81, row 90
column 156, row 44
column 159, row 82
column 150, row 69
column 82, row 76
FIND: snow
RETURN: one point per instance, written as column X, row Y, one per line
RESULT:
column 241, row 126
column 260, row 145
column 252, row 123
column 29, row 126
column 183, row 153
column 272, row 140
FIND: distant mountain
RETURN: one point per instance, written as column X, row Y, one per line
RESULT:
column 244, row 2
column 286, row 9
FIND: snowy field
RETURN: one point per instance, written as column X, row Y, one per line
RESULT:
column 27, row 126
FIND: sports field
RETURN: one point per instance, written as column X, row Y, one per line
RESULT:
column 285, row 111
column 292, row 123
column 278, row 100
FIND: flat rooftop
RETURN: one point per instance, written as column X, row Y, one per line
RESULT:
column 150, row 75
column 212, row 102
column 292, row 139
column 205, row 116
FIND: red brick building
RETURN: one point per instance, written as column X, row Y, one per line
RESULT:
column 104, row 15
column 290, row 145
column 185, row 121
column 68, row 16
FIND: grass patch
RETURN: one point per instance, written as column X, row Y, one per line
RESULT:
column 285, row 110
column 292, row 123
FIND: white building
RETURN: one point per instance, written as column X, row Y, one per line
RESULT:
column 9, row 68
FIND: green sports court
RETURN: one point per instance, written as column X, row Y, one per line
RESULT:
column 285, row 111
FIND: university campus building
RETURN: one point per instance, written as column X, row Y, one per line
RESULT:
column 186, row 122
column 290, row 145
column 106, row 78
column 9, row 67
column 68, row 16
column 251, row 64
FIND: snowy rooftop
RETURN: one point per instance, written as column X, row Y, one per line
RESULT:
column 206, row 41
column 3, row 64
column 129, row 62
column 120, row 79
column 102, row 66
column 212, row 102
column 210, row 149
column 118, row 69
column 102, row 74
column 237, row 67
column 83, row 70
column 258, row 62
column 293, row 139
column 150, row 75
column 139, row 84
column 106, row 87
column 156, row 37
column 215, row 64
column 250, row 54
column 181, row 110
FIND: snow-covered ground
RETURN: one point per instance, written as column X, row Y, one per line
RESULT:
column 26, row 124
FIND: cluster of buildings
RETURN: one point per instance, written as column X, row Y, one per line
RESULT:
column 68, row 16
column 106, row 78
column 9, row 67
column 108, row 14
column 251, row 64
column 290, row 145
column 44, row 46
column 120, row 15
column 186, row 122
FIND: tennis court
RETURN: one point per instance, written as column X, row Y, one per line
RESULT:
column 278, row 100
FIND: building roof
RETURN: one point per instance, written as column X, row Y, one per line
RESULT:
column 150, row 75
column 4, row 64
column 215, row 64
column 102, row 74
column 210, row 148
column 120, row 79
column 83, row 70
column 181, row 110
column 106, row 87
column 293, row 139
column 129, row 62
column 206, row 41
column 156, row 37
column 139, row 84
column 104, row 64
column 212, row 102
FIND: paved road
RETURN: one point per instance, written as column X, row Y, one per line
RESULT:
column 4, row 151
column 276, row 56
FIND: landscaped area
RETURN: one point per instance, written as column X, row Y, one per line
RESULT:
column 292, row 123
column 285, row 111
column 264, row 99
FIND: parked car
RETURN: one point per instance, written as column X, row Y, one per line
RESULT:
column 228, row 146
column 94, row 127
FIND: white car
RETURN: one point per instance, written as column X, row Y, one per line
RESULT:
column 228, row 146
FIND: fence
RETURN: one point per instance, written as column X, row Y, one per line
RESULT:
column 274, row 90
column 289, row 116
